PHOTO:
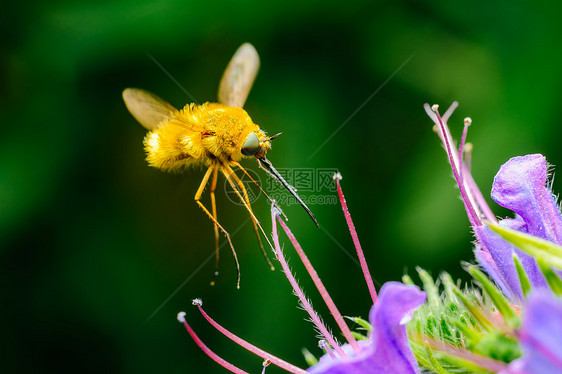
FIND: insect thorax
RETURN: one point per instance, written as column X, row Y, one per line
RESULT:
column 199, row 134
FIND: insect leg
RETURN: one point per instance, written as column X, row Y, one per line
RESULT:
column 233, row 180
column 214, row 209
column 234, row 163
column 217, row 224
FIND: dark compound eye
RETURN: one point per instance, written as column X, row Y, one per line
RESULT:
column 251, row 145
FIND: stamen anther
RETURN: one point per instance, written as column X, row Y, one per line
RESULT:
column 325, row 346
column 337, row 176
column 468, row 121
column 197, row 302
column 181, row 317
column 276, row 211
column 435, row 107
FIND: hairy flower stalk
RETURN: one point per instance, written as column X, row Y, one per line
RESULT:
column 510, row 324
column 316, row 279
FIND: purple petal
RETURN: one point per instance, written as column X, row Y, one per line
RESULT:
column 501, row 252
column 486, row 260
column 540, row 336
column 387, row 351
column 520, row 186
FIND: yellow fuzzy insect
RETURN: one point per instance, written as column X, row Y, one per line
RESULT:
column 218, row 135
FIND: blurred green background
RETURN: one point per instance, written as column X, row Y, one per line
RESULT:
column 99, row 251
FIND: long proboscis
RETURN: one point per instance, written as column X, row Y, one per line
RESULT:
column 275, row 174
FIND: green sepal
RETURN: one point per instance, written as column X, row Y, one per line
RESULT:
column 552, row 278
column 407, row 280
column 547, row 251
column 310, row 359
column 443, row 358
column 435, row 365
column 453, row 308
column 474, row 314
column 471, row 337
column 523, row 279
column 498, row 346
column 361, row 322
column 447, row 334
column 467, row 319
column 501, row 303
column 420, row 355
column 474, row 310
column 431, row 328
column 429, row 287
column 458, row 337
column 359, row 336
column 418, row 325
column 447, row 283
column 467, row 365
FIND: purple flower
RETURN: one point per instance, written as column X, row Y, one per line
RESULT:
column 540, row 336
column 522, row 186
column 387, row 350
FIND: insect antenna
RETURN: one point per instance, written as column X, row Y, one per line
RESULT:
column 266, row 165
column 273, row 136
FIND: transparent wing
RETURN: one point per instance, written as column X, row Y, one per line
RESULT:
column 239, row 76
column 147, row 108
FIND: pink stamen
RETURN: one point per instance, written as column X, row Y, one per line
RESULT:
column 468, row 155
column 364, row 267
column 473, row 187
column 298, row 291
column 477, row 201
column 470, row 185
column 467, row 123
column 456, row 164
column 250, row 347
column 449, row 111
column 222, row 362
column 447, row 140
column 320, row 286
